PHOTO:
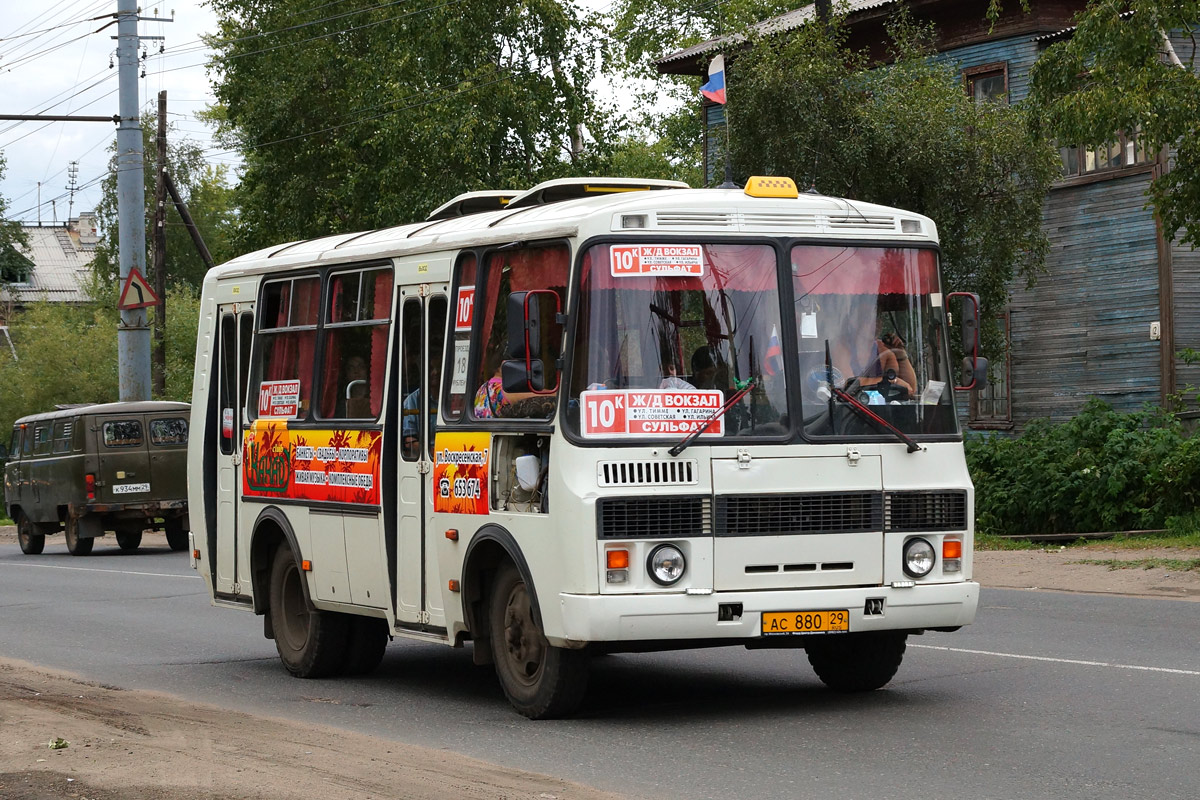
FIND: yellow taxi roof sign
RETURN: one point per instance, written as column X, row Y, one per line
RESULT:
column 767, row 186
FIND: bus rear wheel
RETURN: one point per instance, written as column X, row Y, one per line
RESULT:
column 31, row 543
column 368, row 639
column 541, row 681
column 311, row 643
column 77, row 545
column 856, row 662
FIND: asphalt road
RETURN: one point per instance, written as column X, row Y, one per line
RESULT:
column 1046, row 696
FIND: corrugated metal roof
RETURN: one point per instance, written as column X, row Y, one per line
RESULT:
column 784, row 22
column 60, row 265
column 1065, row 32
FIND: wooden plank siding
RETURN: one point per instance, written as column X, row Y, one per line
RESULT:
column 1018, row 52
column 1084, row 329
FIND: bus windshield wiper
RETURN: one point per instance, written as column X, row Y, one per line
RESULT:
column 742, row 390
column 865, row 412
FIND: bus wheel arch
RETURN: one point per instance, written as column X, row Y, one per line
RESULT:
column 489, row 550
column 271, row 531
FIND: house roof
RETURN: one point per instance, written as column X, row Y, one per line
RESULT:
column 60, row 265
column 784, row 22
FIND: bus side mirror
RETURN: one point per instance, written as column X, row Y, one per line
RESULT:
column 525, row 370
column 974, row 366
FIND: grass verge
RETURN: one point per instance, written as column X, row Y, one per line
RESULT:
column 1172, row 564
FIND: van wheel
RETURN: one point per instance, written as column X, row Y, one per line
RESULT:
column 540, row 680
column 77, row 545
column 311, row 643
column 856, row 662
column 31, row 543
column 129, row 540
column 368, row 640
column 177, row 537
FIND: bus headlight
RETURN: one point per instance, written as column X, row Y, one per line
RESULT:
column 919, row 558
column 666, row 564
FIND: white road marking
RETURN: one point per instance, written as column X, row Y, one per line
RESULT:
column 1059, row 660
column 93, row 569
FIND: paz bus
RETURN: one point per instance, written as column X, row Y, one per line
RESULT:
column 597, row 416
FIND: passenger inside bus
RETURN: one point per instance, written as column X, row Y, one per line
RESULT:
column 411, row 414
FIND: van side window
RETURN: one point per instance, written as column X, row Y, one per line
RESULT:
column 15, row 447
column 288, row 339
column 62, row 435
column 41, row 440
column 168, row 431
column 26, row 440
column 123, row 433
column 356, row 323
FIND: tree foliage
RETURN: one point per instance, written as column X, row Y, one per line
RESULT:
column 902, row 134
column 67, row 353
column 203, row 186
column 11, row 238
column 370, row 118
column 1114, row 74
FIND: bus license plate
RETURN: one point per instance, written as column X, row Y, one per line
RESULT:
column 786, row 623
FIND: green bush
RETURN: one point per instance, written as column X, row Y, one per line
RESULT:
column 1101, row 471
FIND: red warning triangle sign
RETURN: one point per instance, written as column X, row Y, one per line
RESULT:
column 136, row 293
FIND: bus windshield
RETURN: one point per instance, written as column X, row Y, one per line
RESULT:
column 668, row 332
column 869, row 322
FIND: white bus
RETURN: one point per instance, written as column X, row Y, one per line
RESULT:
column 602, row 415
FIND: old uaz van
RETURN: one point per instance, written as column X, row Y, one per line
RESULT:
column 88, row 470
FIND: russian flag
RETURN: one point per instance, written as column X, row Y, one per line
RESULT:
column 715, row 88
column 773, row 360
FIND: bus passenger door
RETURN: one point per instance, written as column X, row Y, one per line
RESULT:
column 422, row 333
column 234, row 329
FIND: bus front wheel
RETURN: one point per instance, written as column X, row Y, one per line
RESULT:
column 541, row 681
column 311, row 643
column 856, row 662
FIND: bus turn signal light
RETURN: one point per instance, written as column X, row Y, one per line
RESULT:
column 951, row 548
column 617, row 559
column 306, row 565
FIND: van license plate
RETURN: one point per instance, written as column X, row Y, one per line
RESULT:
column 786, row 623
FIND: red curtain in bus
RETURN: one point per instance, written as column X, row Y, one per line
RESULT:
column 379, row 335
column 532, row 268
column 863, row 270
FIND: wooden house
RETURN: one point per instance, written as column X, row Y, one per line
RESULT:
column 1118, row 301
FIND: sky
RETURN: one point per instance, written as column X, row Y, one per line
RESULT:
column 66, row 71
column 55, row 62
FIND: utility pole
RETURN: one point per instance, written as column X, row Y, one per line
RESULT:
column 159, row 365
column 72, row 185
column 133, row 334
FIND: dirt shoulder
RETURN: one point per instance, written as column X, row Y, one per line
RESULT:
column 134, row 745
column 1065, row 570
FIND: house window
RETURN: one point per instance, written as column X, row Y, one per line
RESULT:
column 987, row 83
column 1124, row 151
column 992, row 407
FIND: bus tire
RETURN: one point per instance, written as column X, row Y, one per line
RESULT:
column 311, row 643
column 129, row 540
column 177, row 537
column 31, row 543
column 368, row 640
column 77, row 545
column 856, row 662
column 541, row 681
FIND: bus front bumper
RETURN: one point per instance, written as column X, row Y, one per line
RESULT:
column 679, row 617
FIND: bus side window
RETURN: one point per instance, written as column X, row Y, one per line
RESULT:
column 356, row 324
column 458, row 355
column 411, row 325
column 437, row 341
column 288, row 337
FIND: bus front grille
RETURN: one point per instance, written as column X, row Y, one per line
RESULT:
column 653, row 517
column 926, row 511
column 775, row 515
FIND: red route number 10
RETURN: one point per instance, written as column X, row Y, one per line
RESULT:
column 603, row 413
